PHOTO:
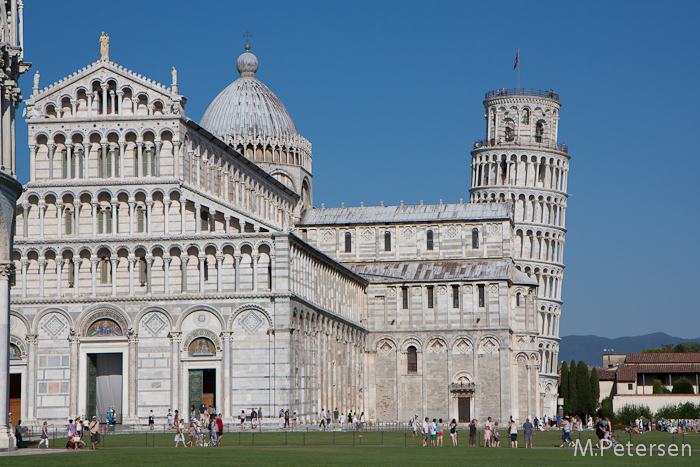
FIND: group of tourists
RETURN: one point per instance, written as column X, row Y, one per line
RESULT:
column 353, row 420
column 210, row 421
column 433, row 432
column 77, row 429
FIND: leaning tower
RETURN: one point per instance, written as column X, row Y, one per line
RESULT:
column 520, row 160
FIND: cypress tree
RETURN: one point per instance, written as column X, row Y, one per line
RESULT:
column 564, row 386
column 573, row 393
column 595, row 388
column 583, row 389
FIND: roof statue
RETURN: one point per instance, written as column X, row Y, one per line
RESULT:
column 174, row 73
column 104, row 47
column 36, row 81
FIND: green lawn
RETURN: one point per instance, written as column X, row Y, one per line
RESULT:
column 269, row 449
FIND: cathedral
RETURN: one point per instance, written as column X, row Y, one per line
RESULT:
column 162, row 263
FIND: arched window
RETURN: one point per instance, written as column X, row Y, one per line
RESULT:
column 475, row 238
column 71, row 273
column 206, row 270
column 429, row 241
column 204, row 217
column 69, row 222
column 141, row 219
column 105, row 271
column 526, row 117
column 387, row 241
column 517, row 299
column 510, row 132
column 105, row 220
column 539, row 131
column 148, row 156
column 143, row 271
column 348, row 242
column 80, row 157
column 412, row 360
column 64, row 159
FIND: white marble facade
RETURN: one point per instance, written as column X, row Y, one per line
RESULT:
column 186, row 247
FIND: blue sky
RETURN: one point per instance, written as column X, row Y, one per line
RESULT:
column 390, row 95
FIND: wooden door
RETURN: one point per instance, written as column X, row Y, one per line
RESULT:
column 464, row 410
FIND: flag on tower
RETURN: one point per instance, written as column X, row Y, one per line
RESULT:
column 517, row 56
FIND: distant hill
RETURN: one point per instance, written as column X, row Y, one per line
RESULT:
column 590, row 348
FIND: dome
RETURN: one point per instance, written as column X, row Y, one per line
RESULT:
column 248, row 107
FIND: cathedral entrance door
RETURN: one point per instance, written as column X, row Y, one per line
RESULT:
column 463, row 409
column 16, row 398
column 202, row 387
column 104, row 386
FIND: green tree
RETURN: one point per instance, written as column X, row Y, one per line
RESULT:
column 564, row 386
column 573, row 390
column 659, row 388
column 583, row 389
column 595, row 389
column 682, row 386
column 606, row 408
column 687, row 347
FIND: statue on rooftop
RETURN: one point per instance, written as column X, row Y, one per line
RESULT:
column 104, row 47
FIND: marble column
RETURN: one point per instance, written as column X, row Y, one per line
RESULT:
column 149, row 267
column 227, row 336
column 132, row 261
column 166, row 215
column 76, row 281
column 32, row 341
column 175, row 340
column 74, row 348
column 254, row 262
column 42, row 267
column 25, row 219
column 149, row 212
column 183, row 267
column 94, row 218
column 5, row 273
column 59, row 276
column 166, row 273
column 133, row 338
column 183, row 203
column 24, row 265
column 42, row 209
column 197, row 218
column 132, row 206
column 236, row 275
column 219, row 272
column 115, row 263
column 93, row 273
column 202, row 258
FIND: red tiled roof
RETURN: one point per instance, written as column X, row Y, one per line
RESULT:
column 606, row 375
column 662, row 358
column 628, row 372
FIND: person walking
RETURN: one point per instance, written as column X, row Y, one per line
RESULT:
column 78, row 426
column 513, row 434
column 496, row 441
column 487, row 433
column 253, row 418
column 44, row 435
column 336, row 414
column 566, row 433
column 95, row 431
column 323, row 419
column 453, row 432
column 472, row 433
column 18, row 434
column 433, row 432
column 527, row 433
column 328, row 418
column 151, row 421
column 170, row 419
column 425, row 431
column 219, row 428
column 242, row 418
column 180, row 435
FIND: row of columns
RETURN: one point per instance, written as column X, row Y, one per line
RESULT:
column 84, row 150
column 114, row 262
column 490, row 173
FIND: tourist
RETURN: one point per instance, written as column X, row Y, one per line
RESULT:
column 219, row 428
column 472, row 433
column 192, row 434
column 286, row 418
column 487, row 433
column 362, row 420
column 425, row 431
column 336, row 415
column 18, row 434
column 94, row 431
column 170, row 419
column 78, row 426
column 193, row 414
column 86, row 427
column 44, row 435
column 294, row 419
column 414, row 424
column 566, row 433
column 323, row 419
column 253, row 418
column 600, row 432
column 179, row 435
column 453, row 432
column 241, row 417
column 513, row 433
column 176, row 419
column 433, row 432
column 527, row 433
column 341, row 420
column 496, row 441
column 151, row 421
column 354, row 420
column 328, row 418
column 440, row 433
column 111, row 416
column 260, row 417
